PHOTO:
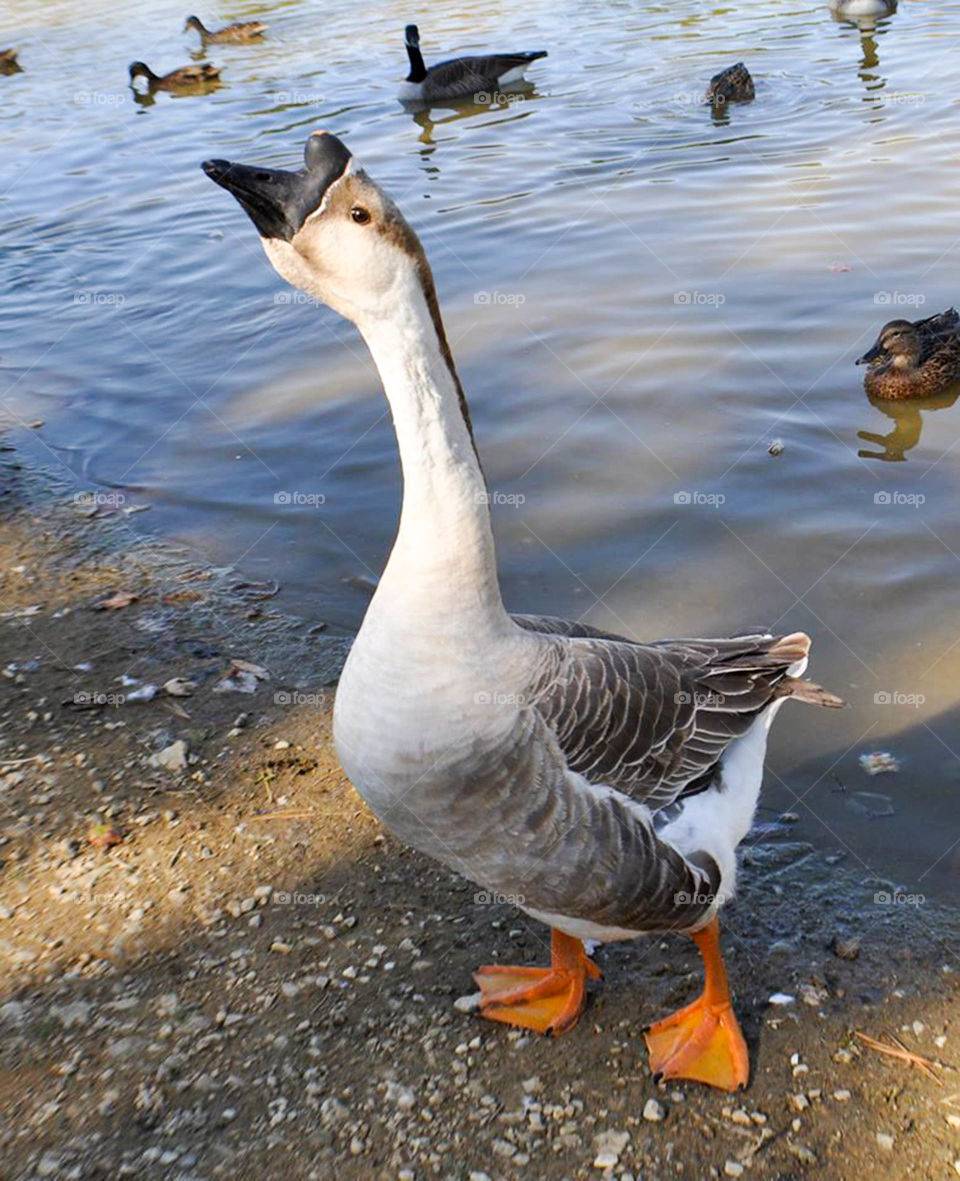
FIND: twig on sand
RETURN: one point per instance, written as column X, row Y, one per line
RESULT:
column 894, row 1048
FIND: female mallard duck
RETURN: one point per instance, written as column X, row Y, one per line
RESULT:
column 9, row 63
column 460, row 76
column 604, row 782
column 733, row 84
column 851, row 9
column 236, row 33
column 181, row 79
column 914, row 359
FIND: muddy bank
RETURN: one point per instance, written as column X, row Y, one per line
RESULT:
column 215, row 963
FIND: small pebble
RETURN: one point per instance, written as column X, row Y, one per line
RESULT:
column 885, row 1141
column 654, row 1112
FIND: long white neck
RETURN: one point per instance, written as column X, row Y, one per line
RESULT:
column 442, row 570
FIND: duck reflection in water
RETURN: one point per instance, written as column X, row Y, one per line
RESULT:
column 907, row 419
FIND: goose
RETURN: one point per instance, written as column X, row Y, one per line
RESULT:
column 9, row 63
column 236, row 33
column 734, row 84
column 852, row 9
column 185, row 77
column 603, row 782
column 460, row 76
column 914, row 359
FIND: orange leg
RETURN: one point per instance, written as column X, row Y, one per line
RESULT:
column 703, row 1041
column 546, row 1000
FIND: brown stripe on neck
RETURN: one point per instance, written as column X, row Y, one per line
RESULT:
column 408, row 241
column 433, row 304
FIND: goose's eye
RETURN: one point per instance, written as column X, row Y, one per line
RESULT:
column 359, row 215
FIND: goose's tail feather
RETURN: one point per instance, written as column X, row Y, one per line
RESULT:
column 810, row 692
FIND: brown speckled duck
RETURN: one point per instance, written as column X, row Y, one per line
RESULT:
column 914, row 359
column 734, row 84
column 234, row 34
column 187, row 77
column 9, row 63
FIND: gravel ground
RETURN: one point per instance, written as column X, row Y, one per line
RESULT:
column 214, row 963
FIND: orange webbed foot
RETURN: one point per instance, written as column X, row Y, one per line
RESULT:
column 703, row 1041
column 545, row 1000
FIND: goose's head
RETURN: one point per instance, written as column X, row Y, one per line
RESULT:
column 897, row 347
column 193, row 22
column 330, row 231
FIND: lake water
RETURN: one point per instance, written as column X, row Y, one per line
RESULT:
column 641, row 298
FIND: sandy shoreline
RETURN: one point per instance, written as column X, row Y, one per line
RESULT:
column 254, row 980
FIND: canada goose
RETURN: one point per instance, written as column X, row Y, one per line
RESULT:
column 461, row 75
column 185, row 77
column 9, row 63
column 914, row 359
column 604, row 783
column 733, row 84
column 851, row 9
column 236, row 33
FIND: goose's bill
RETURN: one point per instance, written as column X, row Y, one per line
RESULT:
column 873, row 354
column 279, row 202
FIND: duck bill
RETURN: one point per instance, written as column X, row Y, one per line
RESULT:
column 279, row 202
column 871, row 355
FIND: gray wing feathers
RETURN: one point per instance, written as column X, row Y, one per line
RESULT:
column 653, row 720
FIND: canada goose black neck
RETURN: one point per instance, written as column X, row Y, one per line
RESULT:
column 418, row 70
column 194, row 22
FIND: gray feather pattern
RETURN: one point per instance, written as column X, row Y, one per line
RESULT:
column 651, row 720
column 562, row 849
